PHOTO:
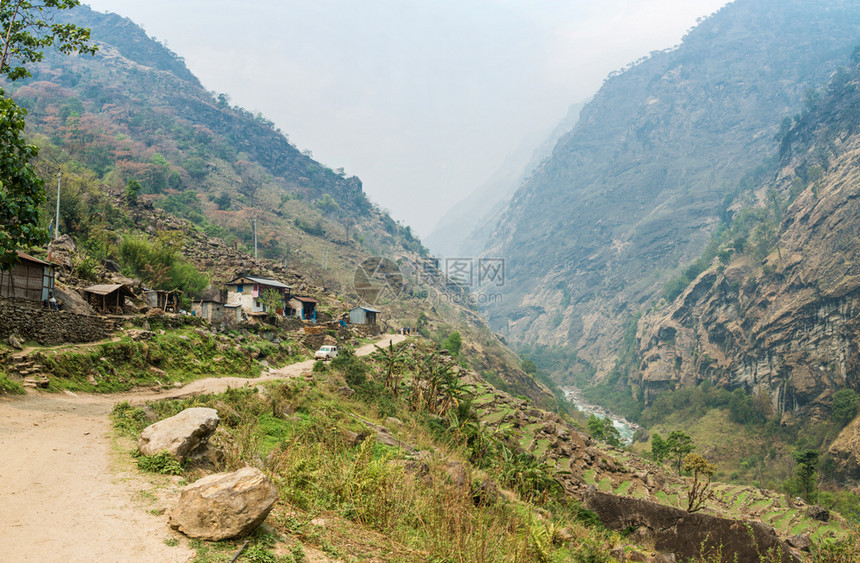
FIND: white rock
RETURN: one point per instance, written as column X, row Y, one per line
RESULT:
column 179, row 435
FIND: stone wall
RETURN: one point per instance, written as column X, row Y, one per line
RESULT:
column 30, row 321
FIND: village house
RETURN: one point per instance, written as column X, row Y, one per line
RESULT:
column 216, row 311
column 304, row 308
column 247, row 292
column 363, row 315
column 31, row 279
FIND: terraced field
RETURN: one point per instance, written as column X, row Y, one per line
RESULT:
column 622, row 473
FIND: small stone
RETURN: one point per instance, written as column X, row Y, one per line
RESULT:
column 393, row 421
column 800, row 541
column 456, row 472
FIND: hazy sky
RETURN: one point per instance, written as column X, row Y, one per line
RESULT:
column 420, row 99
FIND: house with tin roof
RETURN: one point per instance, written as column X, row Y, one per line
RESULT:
column 247, row 292
column 363, row 315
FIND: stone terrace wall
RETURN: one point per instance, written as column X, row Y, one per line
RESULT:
column 30, row 321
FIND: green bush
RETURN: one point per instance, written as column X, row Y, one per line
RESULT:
column 129, row 421
column 845, row 404
column 162, row 463
column 453, row 343
column 159, row 264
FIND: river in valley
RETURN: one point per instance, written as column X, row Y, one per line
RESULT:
column 625, row 427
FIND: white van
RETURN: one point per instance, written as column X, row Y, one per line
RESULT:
column 326, row 353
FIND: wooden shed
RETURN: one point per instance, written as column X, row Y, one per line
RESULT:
column 31, row 279
column 108, row 298
column 168, row 301
column 363, row 315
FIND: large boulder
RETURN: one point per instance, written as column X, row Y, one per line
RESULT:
column 71, row 300
column 224, row 505
column 62, row 252
column 690, row 536
column 181, row 435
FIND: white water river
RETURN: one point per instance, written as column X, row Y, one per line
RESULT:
column 625, row 427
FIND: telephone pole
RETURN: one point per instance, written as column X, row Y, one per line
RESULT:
column 57, row 219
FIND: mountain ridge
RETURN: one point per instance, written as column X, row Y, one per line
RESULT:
column 635, row 190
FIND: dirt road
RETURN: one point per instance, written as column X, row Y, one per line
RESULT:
column 68, row 494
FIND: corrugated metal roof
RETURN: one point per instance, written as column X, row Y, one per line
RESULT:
column 369, row 309
column 261, row 281
column 305, row 299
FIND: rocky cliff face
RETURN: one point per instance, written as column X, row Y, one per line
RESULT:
column 786, row 326
column 635, row 190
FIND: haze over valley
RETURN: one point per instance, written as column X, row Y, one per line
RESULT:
column 488, row 280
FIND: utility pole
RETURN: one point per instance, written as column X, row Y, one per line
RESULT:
column 255, row 238
column 57, row 219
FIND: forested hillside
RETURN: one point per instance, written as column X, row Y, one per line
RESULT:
column 135, row 112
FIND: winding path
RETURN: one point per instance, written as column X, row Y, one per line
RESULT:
column 69, row 494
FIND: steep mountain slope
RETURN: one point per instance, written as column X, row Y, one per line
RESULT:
column 778, row 313
column 636, row 189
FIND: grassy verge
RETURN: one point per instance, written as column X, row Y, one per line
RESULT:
column 9, row 386
column 175, row 356
column 453, row 494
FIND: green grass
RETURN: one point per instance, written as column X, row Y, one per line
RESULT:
column 820, row 533
column 497, row 416
column 9, row 386
column 483, row 399
column 529, row 432
column 590, row 476
column 179, row 355
column 542, row 446
column 605, row 485
column 781, row 521
column 622, row 488
column 373, row 505
column 759, row 504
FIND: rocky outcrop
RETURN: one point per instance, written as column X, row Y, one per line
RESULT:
column 691, row 536
column 846, row 451
column 785, row 328
column 72, row 301
column 181, row 435
column 224, row 505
